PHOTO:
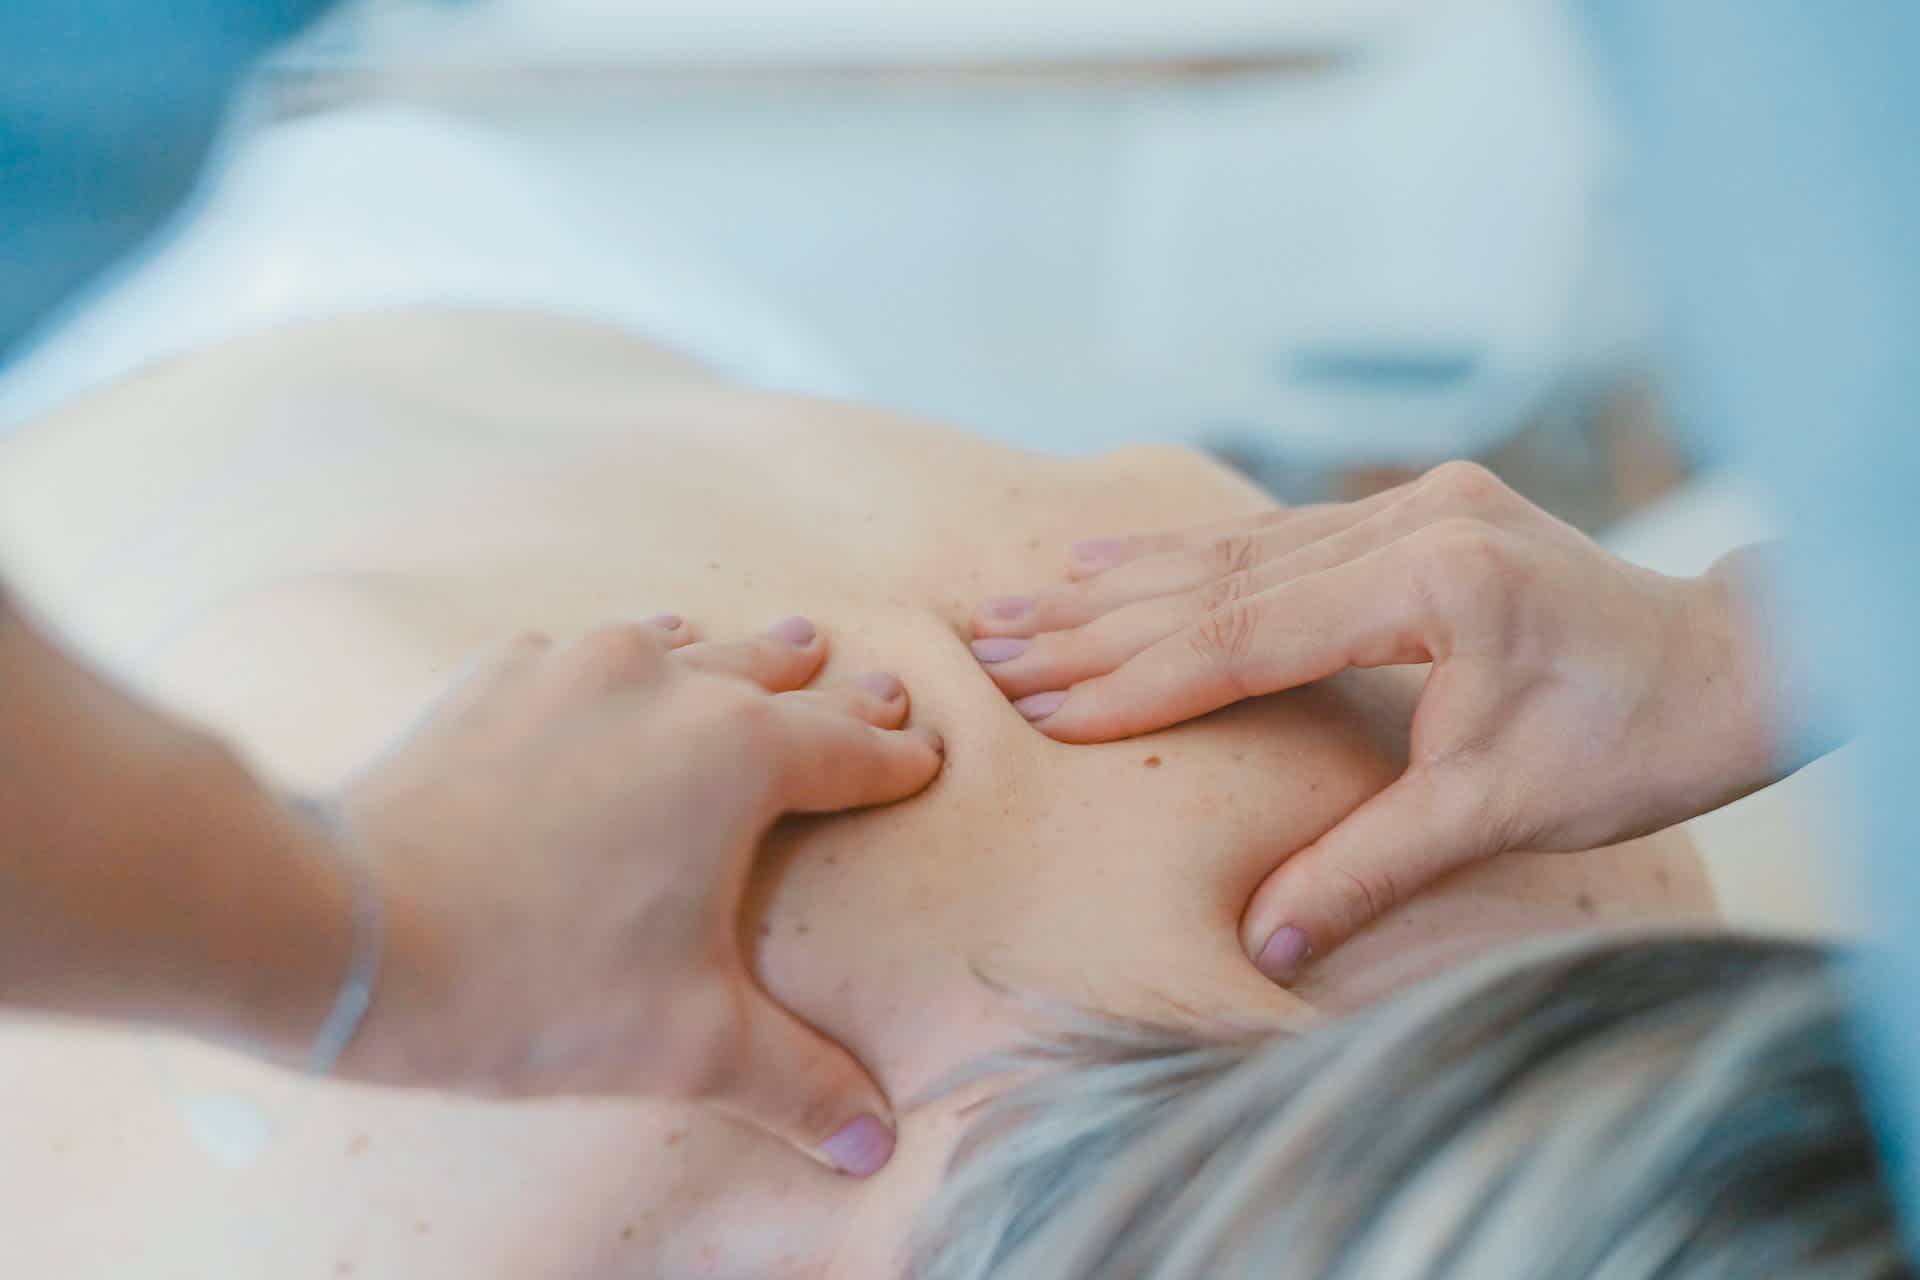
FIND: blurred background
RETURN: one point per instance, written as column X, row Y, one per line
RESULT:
column 1333, row 242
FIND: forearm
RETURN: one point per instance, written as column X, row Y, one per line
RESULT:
column 145, row 875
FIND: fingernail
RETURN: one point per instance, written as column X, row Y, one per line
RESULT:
column 881, row 685
column 1009, row 608
column 1095, row 553
column 665, row 621
column 1284, row 953
column 795, row 631
column 999, row 648
column 1038, row 706
column 861, row 1149
column 932, row 735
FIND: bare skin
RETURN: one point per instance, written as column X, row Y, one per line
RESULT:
column 1574, row 699
column 544, row 874
column 301, row 537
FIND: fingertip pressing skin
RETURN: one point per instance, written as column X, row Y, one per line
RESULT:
column 881, row 685
column 1285, row 952
column 861, row 1148
column 796, row 631
column 1074, row 716
column 1038, row 706
column 800, row 1086
column 994, row 649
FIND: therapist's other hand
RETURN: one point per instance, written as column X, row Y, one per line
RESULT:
column 1574, row 700
column 564, row 842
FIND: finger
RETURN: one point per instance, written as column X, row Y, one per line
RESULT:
column 1098, row 555
column 828, row 761
column 1071, row 605
column 801, row 1087
column 877, row 698
column 1188, row 560
column 1365, row 613
column 615, row 652
column 785, row 657
column 1060, row 659
column 611, row 655
column 676, row 630
column 1420, row 828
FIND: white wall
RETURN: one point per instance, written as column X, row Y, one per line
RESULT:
column 1074, row 264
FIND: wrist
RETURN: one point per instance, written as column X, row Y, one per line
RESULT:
column 286, row 937
column 1726, row 657
column 399, row 1040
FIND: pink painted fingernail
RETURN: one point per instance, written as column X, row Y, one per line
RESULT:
column 1284, row 953
column 1009, row 608
column 1095, row 553
column 881, row 685
column 665, row 621
column 999, row 648
column 1038, row 706
column 795, row 631
column 861, row 1149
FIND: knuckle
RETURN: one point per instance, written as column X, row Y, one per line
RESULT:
column 1224, row 591
column 1225, row 640
column 738, row 718
column 1235, row 553
column 619, row 653
column 1360, row 899
column 1477, row 802
column 1463, row 486
column 1463, row 562
column 746, row 709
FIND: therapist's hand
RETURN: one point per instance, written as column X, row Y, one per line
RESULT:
column 1574, row 700
column 563, row 844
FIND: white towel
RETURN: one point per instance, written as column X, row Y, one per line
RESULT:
column 376, row 207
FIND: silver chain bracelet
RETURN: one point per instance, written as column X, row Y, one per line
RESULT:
column 234, row 1129
column 369, row 926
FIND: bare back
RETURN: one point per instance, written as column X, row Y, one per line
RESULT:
column 300, row 537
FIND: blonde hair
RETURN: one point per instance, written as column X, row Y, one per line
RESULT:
column 1616, row 1109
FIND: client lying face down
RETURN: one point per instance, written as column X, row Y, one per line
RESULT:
column 300, row 536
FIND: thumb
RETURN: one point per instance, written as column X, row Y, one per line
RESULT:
column 1378, row 856
column 804, row 1089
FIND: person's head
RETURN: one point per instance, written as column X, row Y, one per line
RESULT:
column 1660, row 1107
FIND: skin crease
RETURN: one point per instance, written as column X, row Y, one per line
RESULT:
column 300, row 538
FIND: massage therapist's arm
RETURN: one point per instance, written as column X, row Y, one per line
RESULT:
column 559, row 846
column 1574, row 700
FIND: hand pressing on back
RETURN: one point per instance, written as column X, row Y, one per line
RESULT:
column 563, row 844
column 1574, row 700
